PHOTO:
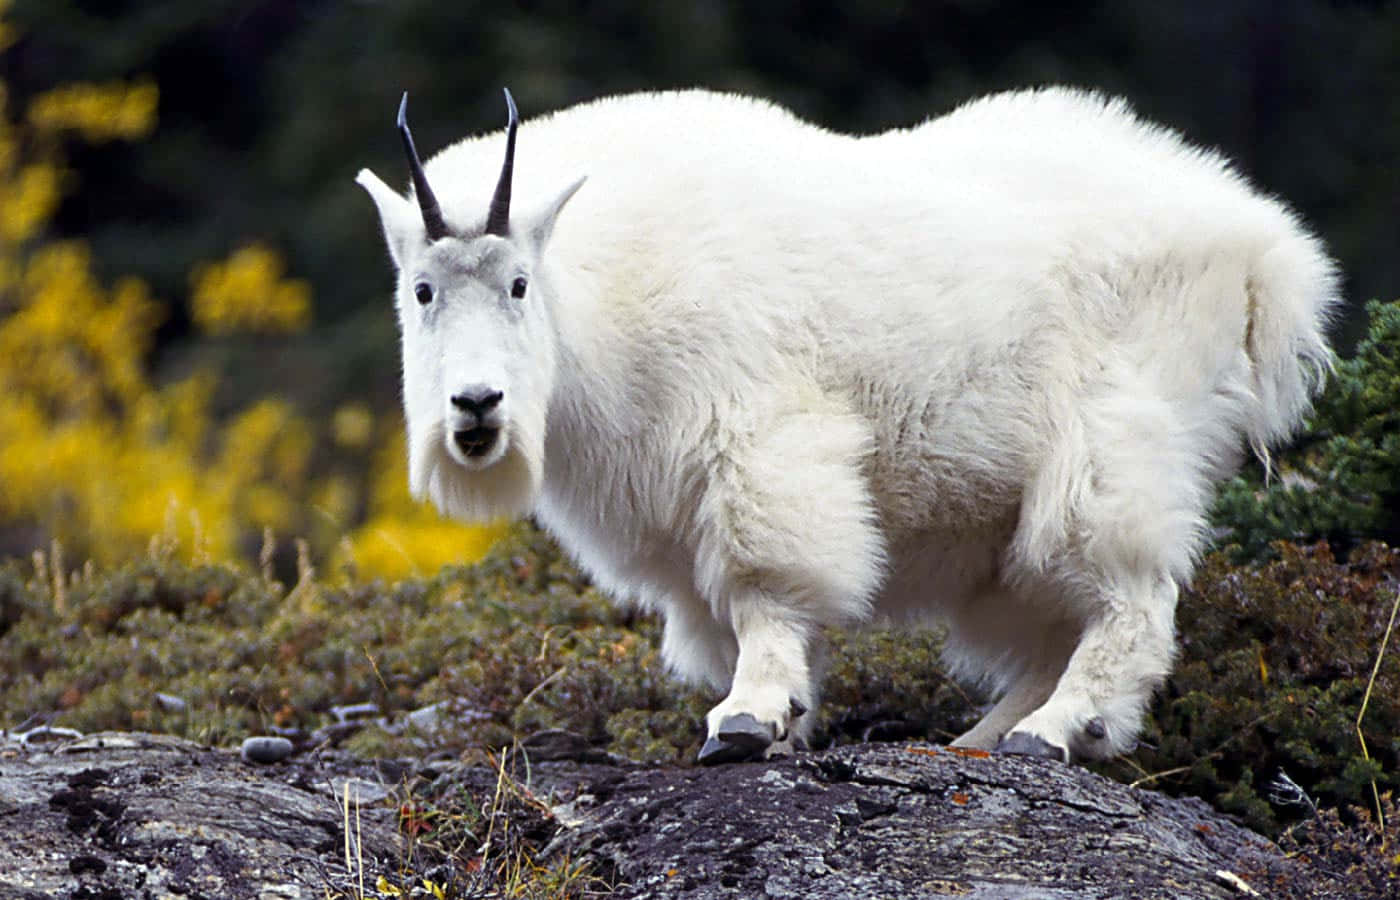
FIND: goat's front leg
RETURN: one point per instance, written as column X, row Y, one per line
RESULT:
column 787, row 543
column 772, row 689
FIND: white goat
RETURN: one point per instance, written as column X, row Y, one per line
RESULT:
column 761, row 378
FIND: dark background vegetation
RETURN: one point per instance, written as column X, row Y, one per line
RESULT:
column 267, row 110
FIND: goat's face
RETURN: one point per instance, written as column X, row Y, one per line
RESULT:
column 479, row 346
column 478, row 371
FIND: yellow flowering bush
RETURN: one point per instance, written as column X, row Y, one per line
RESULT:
column 98, row 112
column 95, row 455
column 403, row 537
column 247, row 293
column 27, row 200
column 101, row 459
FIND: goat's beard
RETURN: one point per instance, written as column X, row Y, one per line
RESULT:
column 506, row 489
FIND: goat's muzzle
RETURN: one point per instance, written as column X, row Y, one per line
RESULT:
column 476, row 420
column 476, row 442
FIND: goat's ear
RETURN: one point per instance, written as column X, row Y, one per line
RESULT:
column 397, row 215
column 542, row 225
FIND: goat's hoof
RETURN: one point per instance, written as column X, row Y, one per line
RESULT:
column 740, row 737
column 745, row 730
column 1021, row 743
column 717, row 751
column 1096, row 728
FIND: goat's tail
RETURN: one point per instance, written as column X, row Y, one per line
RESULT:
column 1293, row 293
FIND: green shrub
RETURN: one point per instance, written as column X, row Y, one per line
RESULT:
column 1342, row 480
column 1275, row 660
column 519, row 643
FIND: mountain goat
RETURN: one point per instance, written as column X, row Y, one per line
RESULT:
column 761, row 378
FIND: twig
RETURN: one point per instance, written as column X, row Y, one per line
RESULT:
column 359, row 843
column 345, row 827
column 1236, row 882
column 60, row 595
column 496, row 804
column 1211, row 755
column 1148, row 779
column 1365, row 700
column 267, row 553
column 541, row 686
column 364, row 648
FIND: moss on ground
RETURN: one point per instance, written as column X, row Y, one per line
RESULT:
column 518, row 643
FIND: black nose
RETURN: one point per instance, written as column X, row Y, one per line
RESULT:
column 477, row 400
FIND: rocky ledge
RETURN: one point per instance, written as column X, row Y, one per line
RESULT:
column 130, row 815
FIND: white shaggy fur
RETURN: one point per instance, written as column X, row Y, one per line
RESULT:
column 768, row 378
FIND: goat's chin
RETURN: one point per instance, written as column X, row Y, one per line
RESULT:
column 503, row 486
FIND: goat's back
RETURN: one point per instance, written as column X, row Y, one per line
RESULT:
column 970, row 279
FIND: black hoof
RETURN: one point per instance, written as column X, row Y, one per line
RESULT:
column 1020, row 743
column 717, row 751
column 740, row 738
column 745, row 731
column 1096, row 728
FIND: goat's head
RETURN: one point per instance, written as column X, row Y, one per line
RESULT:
column 478, row 340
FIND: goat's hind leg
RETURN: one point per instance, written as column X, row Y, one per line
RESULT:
column 1131, row 515
column 1027, row 693
column 1124, row 653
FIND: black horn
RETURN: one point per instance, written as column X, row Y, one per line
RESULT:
column 432, row 213
column 498, row 219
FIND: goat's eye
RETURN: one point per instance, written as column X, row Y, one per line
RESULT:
column 424, row 292
column 517, row 288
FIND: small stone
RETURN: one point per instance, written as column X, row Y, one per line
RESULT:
column 427, row 718
column 171, row 703
column 355, row 711
column 360, row 791
column 775, row 778
column 556, row 744
column 46, row 734
column 85, row 864
column 266, row 750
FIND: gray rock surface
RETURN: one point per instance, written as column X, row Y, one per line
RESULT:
column 140, row 815
column 131, row 815
column 911, row 821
